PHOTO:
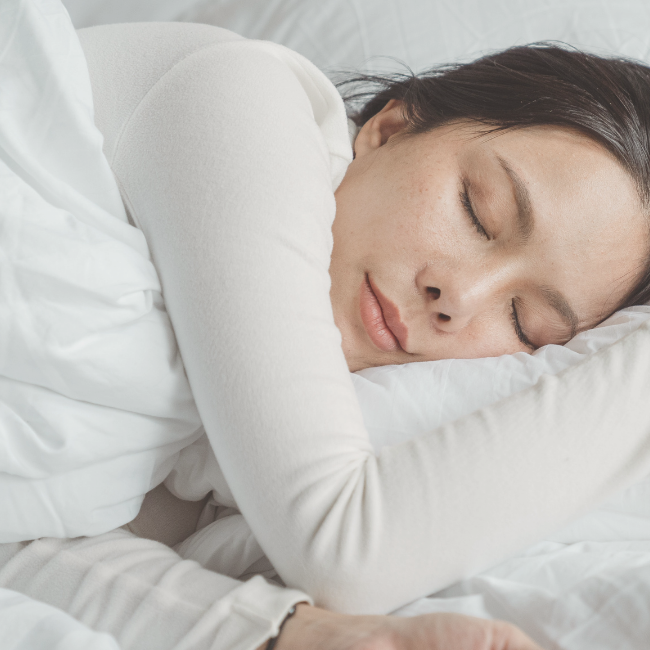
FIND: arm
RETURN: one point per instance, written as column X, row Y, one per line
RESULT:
column 141, row 593
column 225, row 170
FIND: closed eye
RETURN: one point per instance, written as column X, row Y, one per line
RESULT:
column 467, row 205
column 518, row 329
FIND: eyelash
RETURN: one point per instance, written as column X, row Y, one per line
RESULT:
column 467, row 204
column 518, row 331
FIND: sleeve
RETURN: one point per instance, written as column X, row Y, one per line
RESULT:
column 137, row 591
column 29, row 624
column 224, row 169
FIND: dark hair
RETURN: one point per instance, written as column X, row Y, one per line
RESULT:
column 606, row 99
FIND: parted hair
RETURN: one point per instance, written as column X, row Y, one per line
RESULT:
column 550, row 84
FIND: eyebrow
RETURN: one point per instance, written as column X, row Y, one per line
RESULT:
column 526, row 224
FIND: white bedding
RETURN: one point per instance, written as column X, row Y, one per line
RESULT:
column 344, row 34
column 83, row 452
column 95, row 403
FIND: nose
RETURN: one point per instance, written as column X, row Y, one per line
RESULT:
column 454, row 296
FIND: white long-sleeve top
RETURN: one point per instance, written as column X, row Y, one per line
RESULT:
column 227, row 152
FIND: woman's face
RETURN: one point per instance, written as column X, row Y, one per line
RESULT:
column 453, row 245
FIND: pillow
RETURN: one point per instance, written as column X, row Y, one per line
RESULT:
column 352, row 34
column 86, row 13
column 400, row 402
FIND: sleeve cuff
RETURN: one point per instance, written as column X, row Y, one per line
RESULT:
column 257, row 609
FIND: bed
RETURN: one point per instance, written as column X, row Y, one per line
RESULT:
column 586, row 587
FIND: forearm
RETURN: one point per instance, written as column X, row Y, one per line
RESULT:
column 143, row 594
column 145, row 597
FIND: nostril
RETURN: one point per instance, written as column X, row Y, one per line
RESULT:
column 444, row 318
column 434, row 292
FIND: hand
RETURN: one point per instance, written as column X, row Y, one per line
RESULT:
column 312, row 628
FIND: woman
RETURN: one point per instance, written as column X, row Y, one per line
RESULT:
column 447, row 241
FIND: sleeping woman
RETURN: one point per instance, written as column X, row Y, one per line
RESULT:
column 483, row 209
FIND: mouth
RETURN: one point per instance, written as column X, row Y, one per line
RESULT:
column 381, row 319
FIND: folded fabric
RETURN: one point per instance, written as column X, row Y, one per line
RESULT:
column 94, row 401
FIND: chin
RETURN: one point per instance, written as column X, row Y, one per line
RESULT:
column 356, row 363
column 360, row 365
column 360, row 362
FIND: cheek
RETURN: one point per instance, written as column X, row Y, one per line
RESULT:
column 492, row 338
column 425, row 222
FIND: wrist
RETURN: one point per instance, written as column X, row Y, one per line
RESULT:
column 274, row 642
column 313, row 628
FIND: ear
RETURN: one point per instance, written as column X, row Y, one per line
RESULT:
column 380, row 127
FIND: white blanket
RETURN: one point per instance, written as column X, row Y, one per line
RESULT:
column 95, row 403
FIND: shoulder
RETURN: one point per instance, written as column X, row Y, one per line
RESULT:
column 259, row 81
column 126, row 60
column 153, row 66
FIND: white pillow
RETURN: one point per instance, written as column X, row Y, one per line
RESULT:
column 343, row 33
column 86, row 13
column 400, row 402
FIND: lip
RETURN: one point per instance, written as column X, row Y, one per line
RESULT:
column 381, row 319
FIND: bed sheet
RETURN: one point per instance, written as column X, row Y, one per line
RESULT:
column 378, row 35
column 585, row 588
column 584, row 596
